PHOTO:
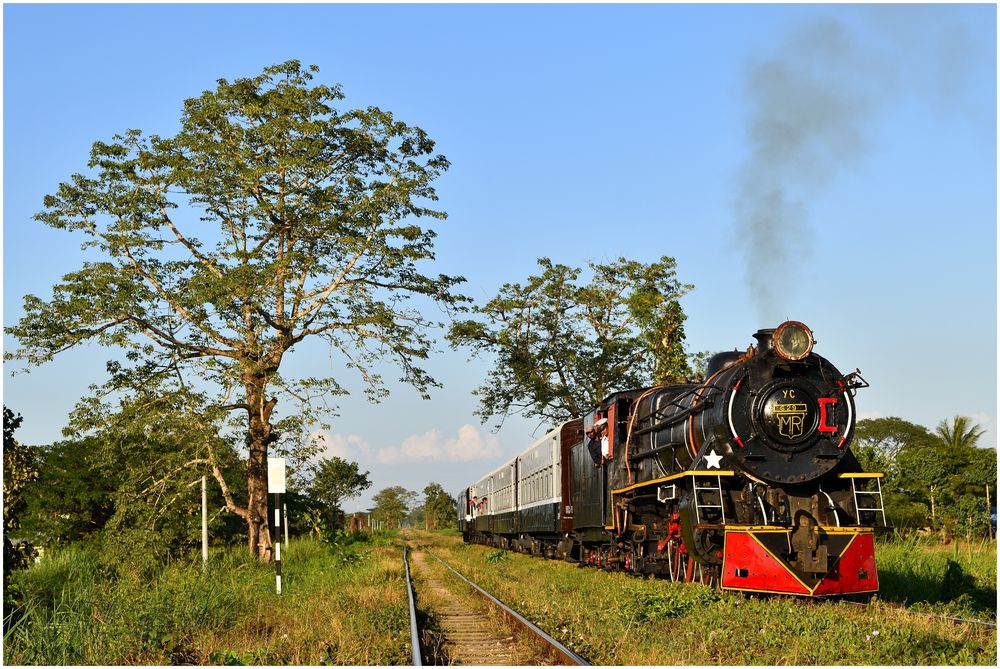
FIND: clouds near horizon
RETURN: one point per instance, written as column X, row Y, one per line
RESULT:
column 467, row 445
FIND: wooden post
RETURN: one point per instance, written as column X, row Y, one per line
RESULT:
column 989, row 521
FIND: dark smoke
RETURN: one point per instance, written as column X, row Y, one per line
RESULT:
column 811, row 111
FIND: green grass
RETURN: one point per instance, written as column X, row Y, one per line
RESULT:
column 611, row 618
column 339, row 606
column 959, row 579
column 347, row 605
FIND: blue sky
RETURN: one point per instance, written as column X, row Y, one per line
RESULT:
column 866, row 134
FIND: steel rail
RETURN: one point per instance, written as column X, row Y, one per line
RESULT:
column 414, row 633
column 967, row 621
column 566, row 654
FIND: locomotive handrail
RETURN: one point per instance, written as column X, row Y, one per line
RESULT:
column 658, row 449
column 681, row 415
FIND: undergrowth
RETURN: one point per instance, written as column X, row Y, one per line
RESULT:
column 342, row 603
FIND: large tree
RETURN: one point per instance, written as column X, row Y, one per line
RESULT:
column 878, row 442
column 271, row 217
column 337, row 479
column 562, row 346
column 439, row 507
column 392, row 505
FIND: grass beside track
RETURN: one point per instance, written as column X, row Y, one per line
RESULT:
column 340, row 605
column 612, row 618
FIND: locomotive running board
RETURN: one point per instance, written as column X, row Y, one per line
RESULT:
column 752, row 561
column 673, row 477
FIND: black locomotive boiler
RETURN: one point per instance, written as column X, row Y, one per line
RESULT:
column 745, row 480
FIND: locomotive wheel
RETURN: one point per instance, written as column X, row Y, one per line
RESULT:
column 680, row 566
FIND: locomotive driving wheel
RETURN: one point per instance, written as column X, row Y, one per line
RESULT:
column 682, row 567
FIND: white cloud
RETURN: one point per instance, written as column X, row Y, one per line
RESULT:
column 349, row 447
column 987, row 422
column 470, row 444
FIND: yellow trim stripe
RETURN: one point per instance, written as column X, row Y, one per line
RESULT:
column 861, row 475
column 826, row 529
column 673, row 477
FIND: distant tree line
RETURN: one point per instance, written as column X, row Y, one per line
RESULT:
column 936, row 480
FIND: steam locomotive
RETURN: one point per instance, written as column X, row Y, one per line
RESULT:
column 745, row 480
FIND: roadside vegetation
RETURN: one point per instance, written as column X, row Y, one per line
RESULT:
column 612, row 618
column 342, row 603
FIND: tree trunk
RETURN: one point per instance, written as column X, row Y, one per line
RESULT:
column 259, row 438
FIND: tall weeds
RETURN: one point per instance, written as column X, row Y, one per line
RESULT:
column 340, row 605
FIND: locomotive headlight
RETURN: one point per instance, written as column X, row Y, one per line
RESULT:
column 792, row 340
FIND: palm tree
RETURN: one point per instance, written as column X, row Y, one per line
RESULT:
column 960, row 433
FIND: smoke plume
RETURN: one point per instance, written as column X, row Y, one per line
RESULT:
column 811, row 117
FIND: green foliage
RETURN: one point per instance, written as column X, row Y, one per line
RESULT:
column 270, row 217
column 341, row 610
column 496, row 556
column 439, row 507
column 75, row 492
column 878, row 441
column 959, row 433
column 924, row 574
column 645, row 606
column 337, row 479
column 932, row 480
column 392, row 504
column 19, row 473
column 561, row 347
column 19, row 470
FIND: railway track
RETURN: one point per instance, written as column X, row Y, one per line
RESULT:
column 936, row 616
column 465, row 634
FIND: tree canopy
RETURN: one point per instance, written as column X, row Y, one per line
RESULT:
column 930, row 481
column 561, row 346
column 271, row 217
column 337, row 479
column 392, row 505
column 439, row 507
column 960, row 432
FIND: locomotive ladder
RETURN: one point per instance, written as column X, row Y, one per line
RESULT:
column 874, row 497
column 714, row 484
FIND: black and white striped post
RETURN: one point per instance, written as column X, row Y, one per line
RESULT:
column 276, row 486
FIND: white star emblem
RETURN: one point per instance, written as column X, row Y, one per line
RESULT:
column 713, row 460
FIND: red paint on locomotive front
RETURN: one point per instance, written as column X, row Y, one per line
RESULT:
column 748, row 565
column 854, row 571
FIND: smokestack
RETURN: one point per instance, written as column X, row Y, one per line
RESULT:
column 763, row 338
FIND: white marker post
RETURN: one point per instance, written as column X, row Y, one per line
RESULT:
column 276, row 485
column 204, row 522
